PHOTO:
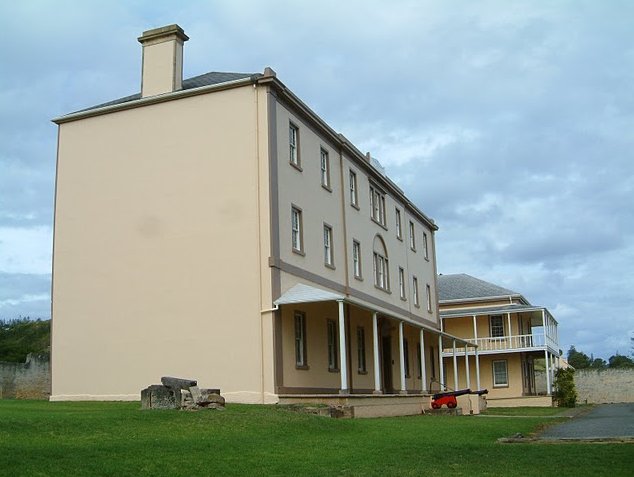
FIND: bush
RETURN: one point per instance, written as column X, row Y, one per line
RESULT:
column 565, row 391
column 23, row 336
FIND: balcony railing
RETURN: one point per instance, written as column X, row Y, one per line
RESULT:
column 509, row 343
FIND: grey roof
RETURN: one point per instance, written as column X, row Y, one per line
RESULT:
column 462, row 286
column 490, row 310
column 206, row 79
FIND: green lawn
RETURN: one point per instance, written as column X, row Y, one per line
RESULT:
column 118, row 439
column 523, row 411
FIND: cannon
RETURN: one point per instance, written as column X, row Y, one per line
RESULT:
column 449, row 397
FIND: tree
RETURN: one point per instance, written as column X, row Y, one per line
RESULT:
column 577, row 359
column 619, row 361
column 23, row 336
column 565, row 394
column 598, row 363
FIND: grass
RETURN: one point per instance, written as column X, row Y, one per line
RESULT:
column 524, row 411
column 117, row 439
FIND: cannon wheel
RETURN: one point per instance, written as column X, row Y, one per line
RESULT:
column 451, row 404
column 435, row 405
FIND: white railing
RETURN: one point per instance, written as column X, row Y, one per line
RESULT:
column 506, row 343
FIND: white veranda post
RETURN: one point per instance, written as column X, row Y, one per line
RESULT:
column 423, row 370
column 375, row 345
column 455, row 366
column 441, row 365
column 401, row 352
column 343, row 356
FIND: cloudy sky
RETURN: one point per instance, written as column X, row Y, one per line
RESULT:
column 511, row 123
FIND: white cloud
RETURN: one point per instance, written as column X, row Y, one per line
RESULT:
column 23, row 299
column 508, row 123
column 25, row 250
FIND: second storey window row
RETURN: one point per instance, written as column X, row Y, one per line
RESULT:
column 377, row 205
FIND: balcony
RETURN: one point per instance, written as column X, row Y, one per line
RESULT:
column 513, row 343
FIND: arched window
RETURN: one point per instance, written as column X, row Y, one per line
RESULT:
column 381, row 264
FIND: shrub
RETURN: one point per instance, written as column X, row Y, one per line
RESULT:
column 565, row 392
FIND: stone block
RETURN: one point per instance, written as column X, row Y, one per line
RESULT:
column 157, row 396
column 178, row 383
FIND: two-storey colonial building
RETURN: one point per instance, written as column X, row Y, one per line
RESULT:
column 513, row 338
column 216, row 228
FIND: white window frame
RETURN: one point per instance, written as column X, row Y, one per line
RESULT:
column 301, row 360
column 377, row 205
column 503, row 371
column 356, row 259
column 329, row 259
column 354, row 189
column 401, row 282
column 496, row 330
column 425, row 246
column 412, row 236
column 428, row 296
column 381, row 272
column 297, row 239
column 399, row 224
column 293, row 145
column 415, row 291
column 325, row 169
column 332, row 343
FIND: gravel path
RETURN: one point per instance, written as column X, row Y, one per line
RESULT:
column 604, row 421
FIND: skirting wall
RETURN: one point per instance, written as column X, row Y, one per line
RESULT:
column 604, row 386
column 28, row 380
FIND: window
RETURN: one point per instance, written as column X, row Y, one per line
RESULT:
column 381, row 278
column 300, row 340
column 406, row 357
column 328, row 258
column 356, row 259
column 401, row 282
column 412, row 236
column 415, row 291
column 381, row 265
column 500, row 373
column 432, row 362
column 425, row 249
column 399, row 227
column 496, row 324
column 296, row 230
column 419, row 361
column 293, row 143
column 354, row 196
column 332, row 346
column 377, row 205
column 325, row 169
column 428, row 296
column 361, row 350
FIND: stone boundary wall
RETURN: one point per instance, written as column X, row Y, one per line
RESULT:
column 28, row 380
column 604, row 386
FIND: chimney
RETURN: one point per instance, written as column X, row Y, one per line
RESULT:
column 162, row 70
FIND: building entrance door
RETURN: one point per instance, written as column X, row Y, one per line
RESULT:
column 386, row 355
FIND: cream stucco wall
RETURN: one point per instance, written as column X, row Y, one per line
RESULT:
column 463, row 326
column 316, row 377
column 301, row 187
column 514, row 388
column 161, row 249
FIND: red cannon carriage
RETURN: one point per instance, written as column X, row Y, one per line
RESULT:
column 449, row 397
